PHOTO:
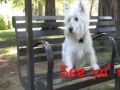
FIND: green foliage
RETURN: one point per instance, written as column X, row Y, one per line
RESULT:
column 38, row 7
column 18, row 3
column 1, row 1
column 4, row 23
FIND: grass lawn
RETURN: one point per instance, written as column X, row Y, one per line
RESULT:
column 8, row 45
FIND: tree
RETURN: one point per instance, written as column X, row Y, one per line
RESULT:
column 118, row 26
column 107, row 8
column 118, row 18
column 38, row 7
column 18, row 3
column 50, row 8
column 3, row 0
column 91, row 6
column 49, row 11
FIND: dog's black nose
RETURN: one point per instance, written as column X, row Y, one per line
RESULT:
column 70, row 29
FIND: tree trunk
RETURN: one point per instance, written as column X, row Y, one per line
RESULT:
column 49, row 11
column 107, row 8
column 40, row 8
column 118, row 18
column 91, row 7
column 50, row 8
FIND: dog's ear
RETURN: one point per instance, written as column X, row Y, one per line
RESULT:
column 66, row 6
column 81, row 5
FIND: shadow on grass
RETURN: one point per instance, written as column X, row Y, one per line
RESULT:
column 7, row 38
column 8, row 49
column 8, row 53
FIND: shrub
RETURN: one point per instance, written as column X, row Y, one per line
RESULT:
column 9, row 25
column 4, row 23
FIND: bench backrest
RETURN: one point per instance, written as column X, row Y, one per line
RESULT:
column 53, row 35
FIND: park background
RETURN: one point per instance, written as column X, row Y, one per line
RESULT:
column 8, row 53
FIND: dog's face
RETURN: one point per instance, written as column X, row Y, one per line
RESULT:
column 76, row 21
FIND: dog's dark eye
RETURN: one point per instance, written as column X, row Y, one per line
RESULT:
column 76, row 19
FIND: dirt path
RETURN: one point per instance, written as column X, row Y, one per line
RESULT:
column 9, row 77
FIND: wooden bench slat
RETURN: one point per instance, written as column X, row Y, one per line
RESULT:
column 40, row 25
column 106, row 30
column 60, row 32
column 22, row 41
column 21, row 18
column 57, row 50
column 103, row 30
column 61, row 24
column 101, row 17
column 55, row 47
column 40, row 33
column 102, row 23
column 40, row 56
column 40, row 49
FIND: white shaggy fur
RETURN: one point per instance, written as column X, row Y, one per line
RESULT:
column 74, row 53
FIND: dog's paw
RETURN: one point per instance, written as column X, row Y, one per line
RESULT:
column 96, row 67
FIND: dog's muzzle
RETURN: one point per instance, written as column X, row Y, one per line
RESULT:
column 70, row 29
column 81, row 40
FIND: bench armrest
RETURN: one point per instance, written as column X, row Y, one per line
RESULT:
column 50, row 60
column 113, row 43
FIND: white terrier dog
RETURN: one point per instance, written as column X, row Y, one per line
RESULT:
column 77, row 47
